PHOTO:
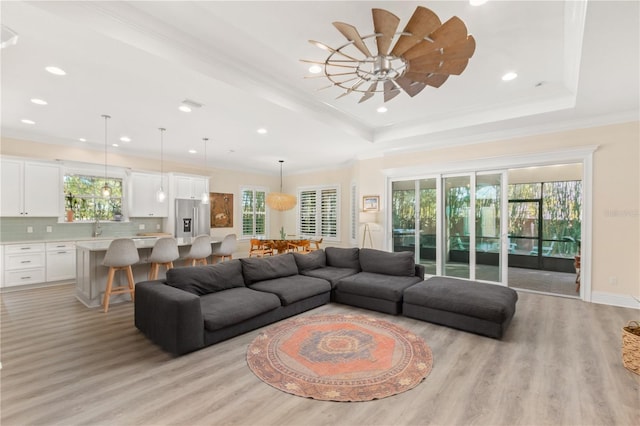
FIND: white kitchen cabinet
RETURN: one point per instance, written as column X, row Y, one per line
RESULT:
column 190, row 187
column 24, row 264
column 30, row 189
column 61, row 261
column 142, row 195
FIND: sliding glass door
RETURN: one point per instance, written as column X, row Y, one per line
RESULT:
column 452, row 223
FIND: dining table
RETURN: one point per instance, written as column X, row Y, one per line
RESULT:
column 282, row 245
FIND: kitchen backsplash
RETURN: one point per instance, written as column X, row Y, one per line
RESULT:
column 17, row 229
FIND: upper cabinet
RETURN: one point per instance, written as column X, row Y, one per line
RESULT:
column 30, row 189
column 143, row 201
column 190, row 187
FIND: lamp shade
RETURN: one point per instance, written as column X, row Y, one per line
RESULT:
column 368, row 217
column 280, row 201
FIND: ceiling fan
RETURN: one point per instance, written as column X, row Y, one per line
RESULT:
column 425, row 53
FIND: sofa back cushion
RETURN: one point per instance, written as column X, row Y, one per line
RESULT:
column 343, row 257
column 400, row 264
column 257, row 269
column 310, row 261
column 201, row 280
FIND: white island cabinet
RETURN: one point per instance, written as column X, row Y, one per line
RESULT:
column 30, row 189
column 91, row 274
column 61, row 261
column 143, row 191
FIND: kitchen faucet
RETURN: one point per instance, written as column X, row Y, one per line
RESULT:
column 97, row 228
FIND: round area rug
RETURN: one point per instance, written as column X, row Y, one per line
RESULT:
column 339, row 357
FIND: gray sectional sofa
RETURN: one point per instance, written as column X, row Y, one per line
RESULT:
column 198, row 306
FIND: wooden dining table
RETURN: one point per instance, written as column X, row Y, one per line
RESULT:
column 282, row 245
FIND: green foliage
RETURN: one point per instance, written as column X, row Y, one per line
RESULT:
column 83, row 195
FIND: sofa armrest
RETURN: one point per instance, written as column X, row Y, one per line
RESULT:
column 170, row 317
column 420, row 271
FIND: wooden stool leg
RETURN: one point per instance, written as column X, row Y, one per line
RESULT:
column 153, row 272
column 131, row 282
column 107, row 291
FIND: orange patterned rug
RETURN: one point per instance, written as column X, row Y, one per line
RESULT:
column 339, row 357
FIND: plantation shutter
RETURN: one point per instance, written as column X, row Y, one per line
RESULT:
column 254, row 213
column 329, row 212
column 308, row 212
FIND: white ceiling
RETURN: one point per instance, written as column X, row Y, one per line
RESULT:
column 577, row 63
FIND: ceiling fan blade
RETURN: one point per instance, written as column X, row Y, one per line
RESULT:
column 370, row 92
column 351, row 34
column 454, row 67
column 433, row 80
column 449, row 33
column 422, row 23
column 390, row 90
column 412, row 88
column 423, row 67
column 426, row 51
column 385, row 24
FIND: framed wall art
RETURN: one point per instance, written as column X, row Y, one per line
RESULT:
column 371, row 203
column 221, row 210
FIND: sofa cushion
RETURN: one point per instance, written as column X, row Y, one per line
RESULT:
column 230, row 307
column 400, row 264
column 330, row 273
column 201, row 280
column 257, row 269
column 379, row 286
column 314, row 260
column 343, row 257
column 293, row 288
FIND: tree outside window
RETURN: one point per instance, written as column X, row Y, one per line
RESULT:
column 83, row 196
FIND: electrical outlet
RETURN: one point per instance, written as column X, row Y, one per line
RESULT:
column 157, row 226
column 141, row 226
column 49, row 228
column 613, row 280
column 29, row 229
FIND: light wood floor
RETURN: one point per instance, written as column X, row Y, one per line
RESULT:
column 64, row 364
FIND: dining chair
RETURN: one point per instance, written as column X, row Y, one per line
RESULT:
column 260, row 248
column 164, row 252
column 120, row 255
column 225, row 249
column 200, row 250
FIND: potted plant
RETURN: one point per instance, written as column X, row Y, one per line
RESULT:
column 70, row 204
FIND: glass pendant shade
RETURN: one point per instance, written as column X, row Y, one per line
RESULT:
column 279, row 200
column 106, row 189
column 204, row 198
column 160, row 194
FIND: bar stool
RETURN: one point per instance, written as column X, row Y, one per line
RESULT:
column 199, row 251
column 164, row 252
column 226, row 248
column 121, row 254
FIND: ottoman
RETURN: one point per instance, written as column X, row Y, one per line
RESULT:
column 472, row 306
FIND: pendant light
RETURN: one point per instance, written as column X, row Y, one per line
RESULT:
column 279, row 200
column 205, row 195
column 161, row 195
column 106, row 189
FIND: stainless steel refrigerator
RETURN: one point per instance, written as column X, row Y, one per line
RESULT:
column 192, row 218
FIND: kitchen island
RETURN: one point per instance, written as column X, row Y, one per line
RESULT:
column 91, row 274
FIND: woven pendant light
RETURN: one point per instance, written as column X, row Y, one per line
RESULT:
column 279, row 200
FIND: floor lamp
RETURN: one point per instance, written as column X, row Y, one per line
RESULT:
column 368, row 218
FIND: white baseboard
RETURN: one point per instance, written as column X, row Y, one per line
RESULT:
column 622, row 300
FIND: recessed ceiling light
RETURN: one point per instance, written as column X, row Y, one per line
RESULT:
column 27, row 121
column 509, row 76
column 477, row 2
column 382, row 109
column 82, row 139
column 115, row 145
column 193, row 151
column 125, row 139
column 184, row 108
column 55, row 70
column 38, row 101
column 262, row 130
column 315, row 69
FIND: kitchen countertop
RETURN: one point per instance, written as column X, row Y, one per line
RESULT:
column 140, row 242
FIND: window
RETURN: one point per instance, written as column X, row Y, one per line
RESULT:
column 83, row 195
column 318, row 212
column 254, row 212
